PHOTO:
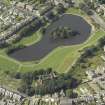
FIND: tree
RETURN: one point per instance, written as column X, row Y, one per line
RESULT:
column 18, row 75
column 43, row 30
column 63, row 32
column 101, row 42
column 101, row 1
column 48, row 85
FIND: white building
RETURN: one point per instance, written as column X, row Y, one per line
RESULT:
column 17, row 97
column 91, row 74
column 101, row 9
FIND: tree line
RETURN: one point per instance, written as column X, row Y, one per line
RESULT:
column 42, row 82
column 63, row 33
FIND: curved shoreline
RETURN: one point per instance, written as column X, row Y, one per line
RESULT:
column 45, row 45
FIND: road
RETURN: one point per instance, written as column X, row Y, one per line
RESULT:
column 98, row 20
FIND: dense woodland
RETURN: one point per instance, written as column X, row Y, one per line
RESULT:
column 43, row 82
column 102, row 1
column 63, row 33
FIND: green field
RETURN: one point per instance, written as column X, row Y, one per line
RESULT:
column 29, row 40
column 59, row 59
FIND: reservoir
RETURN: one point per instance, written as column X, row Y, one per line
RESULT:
column 40, row 49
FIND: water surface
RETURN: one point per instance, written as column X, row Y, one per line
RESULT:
column 46, row 45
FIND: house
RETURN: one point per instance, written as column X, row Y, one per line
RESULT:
column 91, row 74
column 29, row 8
column 21, row 5
column 2, row 103
column 21, row 15
column 62, row 94
column 66, row 101
column 100, row 69
column 17, row 97
column 104, row 48
column 49, row 16
column 101, row 9
column 36, row 12
column 2, row 91
column 57, row 2
column 8, row 94
column 45, row 9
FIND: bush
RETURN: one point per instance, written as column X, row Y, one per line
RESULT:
column 13, row 48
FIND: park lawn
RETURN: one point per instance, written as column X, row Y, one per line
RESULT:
column 63, row 57
column 76, row 11
column 59, row 59
column 7, row 64
column 29, row 40
column 9, row 82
